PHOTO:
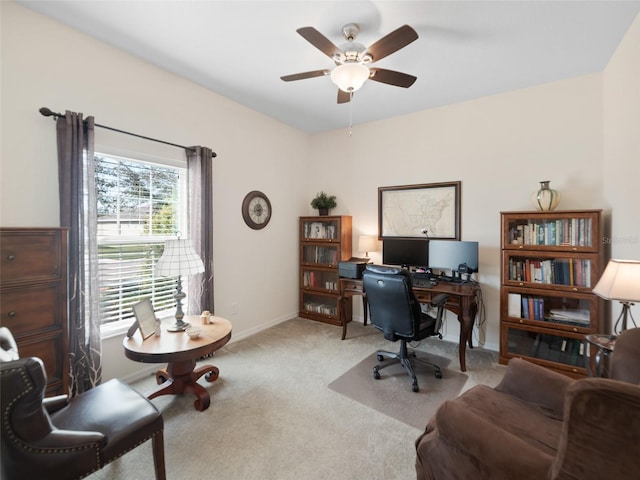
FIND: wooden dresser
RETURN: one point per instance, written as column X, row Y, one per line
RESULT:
column 33, row 297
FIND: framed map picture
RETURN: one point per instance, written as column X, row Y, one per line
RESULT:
column 429, row 210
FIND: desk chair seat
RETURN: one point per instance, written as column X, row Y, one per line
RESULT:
column 395, row 311
column 68, row 438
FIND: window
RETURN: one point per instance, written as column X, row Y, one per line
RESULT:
column 139, row 205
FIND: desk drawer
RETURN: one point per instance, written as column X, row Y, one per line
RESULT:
column 352, row 286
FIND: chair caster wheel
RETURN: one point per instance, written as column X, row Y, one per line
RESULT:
column 380, row 358
column 376, row 374
column 415, row 388
column 438, row 374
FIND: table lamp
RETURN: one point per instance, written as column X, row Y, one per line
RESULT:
column 179, row 258
column 367, row 244
column 620, row 281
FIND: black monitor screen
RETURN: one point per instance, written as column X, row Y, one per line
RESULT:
column 405, row 252
column 450, row 254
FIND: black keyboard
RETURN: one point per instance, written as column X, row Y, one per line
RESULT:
column 423, row 280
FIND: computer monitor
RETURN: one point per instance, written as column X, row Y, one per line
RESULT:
column 412, row 252
column 453, row 255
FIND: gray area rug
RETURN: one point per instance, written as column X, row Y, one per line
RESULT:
column 392, row 394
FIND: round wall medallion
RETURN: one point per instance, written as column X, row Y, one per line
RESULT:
column 256, row 210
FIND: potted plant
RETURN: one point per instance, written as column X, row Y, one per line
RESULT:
column 323, row 203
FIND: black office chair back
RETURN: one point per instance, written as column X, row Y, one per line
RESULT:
column 393, row 308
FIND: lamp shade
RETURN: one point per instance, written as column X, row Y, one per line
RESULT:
column 620, row 281
column 349, row 76
column 367, row 243
column 179, row 258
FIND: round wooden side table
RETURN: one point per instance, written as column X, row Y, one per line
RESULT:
column 180, row 353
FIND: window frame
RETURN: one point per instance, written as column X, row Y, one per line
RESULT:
column 119, row 327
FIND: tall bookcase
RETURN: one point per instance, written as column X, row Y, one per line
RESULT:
column 324, row 241
column 550, row 263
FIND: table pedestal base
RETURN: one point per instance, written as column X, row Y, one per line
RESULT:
column 182, row 377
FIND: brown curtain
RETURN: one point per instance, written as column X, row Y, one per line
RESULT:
column 200, row 175
column 76, row 172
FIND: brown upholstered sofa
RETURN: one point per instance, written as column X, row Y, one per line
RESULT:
column 538, row 424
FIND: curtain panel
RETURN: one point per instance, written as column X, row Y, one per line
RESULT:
column 200, row 179
column 76, row 172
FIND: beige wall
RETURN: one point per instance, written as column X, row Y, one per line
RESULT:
column 499, row 147
column 621, row 161
column 581, row 133
column 45, row 64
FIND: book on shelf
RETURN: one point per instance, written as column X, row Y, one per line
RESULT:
column 532, row 308
column 558, row 271
column 561, row 232
column 574, row 314
column 514, row 307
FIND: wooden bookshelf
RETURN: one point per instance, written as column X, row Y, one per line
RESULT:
column 324, row 241
column 550, row 263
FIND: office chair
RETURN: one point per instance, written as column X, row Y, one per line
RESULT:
column 395, row 311
column 61, row 438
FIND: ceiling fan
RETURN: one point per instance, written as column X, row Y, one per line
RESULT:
column 352, row 59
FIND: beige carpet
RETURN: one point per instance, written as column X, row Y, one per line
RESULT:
column 273, row 417
column 392, row 394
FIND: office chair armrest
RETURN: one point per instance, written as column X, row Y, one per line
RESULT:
column 53, row 404
column 439, row 299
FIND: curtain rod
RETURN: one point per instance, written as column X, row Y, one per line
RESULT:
column 48, row 113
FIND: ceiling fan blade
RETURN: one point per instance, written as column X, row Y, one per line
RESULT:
column 303, row 75
column 392, row 77
column 344, row 97
column 392, row 42
column 318, row 40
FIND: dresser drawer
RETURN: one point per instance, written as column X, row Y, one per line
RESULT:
column 28, row 310
column 50, row 349
column 28, row 256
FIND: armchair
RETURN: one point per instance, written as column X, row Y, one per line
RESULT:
column 395, row 311
column 539, row 424
column 69, row 438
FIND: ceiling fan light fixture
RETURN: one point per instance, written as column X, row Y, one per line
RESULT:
column 349, row 77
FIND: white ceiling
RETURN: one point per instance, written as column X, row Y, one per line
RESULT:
column 465, row 49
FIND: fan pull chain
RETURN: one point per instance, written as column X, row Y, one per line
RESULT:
column 350, row 111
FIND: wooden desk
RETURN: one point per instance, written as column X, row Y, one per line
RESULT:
column 462, row 301
column 181, row 353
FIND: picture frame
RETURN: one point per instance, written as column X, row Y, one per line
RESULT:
column 430, row 210
column 145, row 317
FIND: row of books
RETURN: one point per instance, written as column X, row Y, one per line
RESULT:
column 570, row 351
column 533, row 308
column 566, row 271
column 318, row 280
column 319, row 230
column 574, row 232
column 322, row 308
column 324, row 255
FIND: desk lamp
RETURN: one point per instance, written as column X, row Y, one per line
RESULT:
column 367, row 244
column 179, row 258
column 621, row 281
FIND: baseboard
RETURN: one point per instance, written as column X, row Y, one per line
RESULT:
column 147, row 370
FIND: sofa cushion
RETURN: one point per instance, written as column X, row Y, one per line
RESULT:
column 529, row 423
